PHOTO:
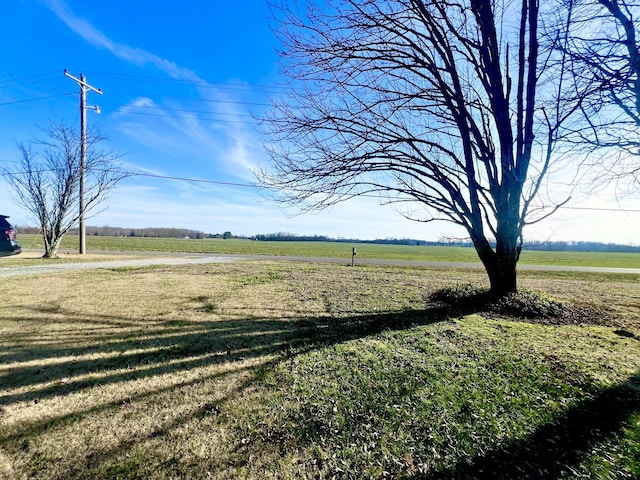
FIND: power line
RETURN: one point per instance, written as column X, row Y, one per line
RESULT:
column 195, row 99
column 194, row 180
column 204, row 84
column 171, row 109
column 38, row 98
column 31, row 79
column 200, row 83
column 255, row 185
column 193, row 117
column 25, row 78
column 142, row 174
column 166, row 115
column 603, row 209
column 157, row 80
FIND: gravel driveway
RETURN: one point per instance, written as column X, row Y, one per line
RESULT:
column 138, row 262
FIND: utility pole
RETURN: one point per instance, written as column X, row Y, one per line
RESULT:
column 84, row 86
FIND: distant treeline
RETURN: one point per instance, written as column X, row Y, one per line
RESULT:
column 153, row 232
column 161, row 232
column 452, row 242
column 581, row 247
column 292, row 237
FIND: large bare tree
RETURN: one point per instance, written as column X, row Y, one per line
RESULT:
column 47, row 180
column 434, row 103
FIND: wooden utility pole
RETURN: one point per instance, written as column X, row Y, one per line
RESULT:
column 84, row 86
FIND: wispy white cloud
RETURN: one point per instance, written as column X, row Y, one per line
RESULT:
column 130, row 54
column 136, row 103
column 229, row 144
column 223, row 146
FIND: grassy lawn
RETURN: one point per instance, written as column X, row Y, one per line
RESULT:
column 333, row 250
column 290, row 370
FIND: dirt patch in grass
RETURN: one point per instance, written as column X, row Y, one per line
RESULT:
column 524, row 305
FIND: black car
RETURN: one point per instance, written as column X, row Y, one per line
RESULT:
column 8, row 243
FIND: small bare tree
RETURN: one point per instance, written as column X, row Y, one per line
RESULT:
column 47, row 181
column 430, row 102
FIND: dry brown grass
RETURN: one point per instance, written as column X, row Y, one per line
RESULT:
column 99, row 365
column 146, row 373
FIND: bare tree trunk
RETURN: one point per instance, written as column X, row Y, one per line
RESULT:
column 52, row 238
column 501, row 270
column 51, row 249
column 500, row 263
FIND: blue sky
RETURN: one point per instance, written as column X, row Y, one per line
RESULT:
column 181, row 81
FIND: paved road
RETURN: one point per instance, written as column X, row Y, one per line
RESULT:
column 181, row 259
column 420, row 263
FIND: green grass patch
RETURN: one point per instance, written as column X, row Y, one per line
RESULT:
column 288, row 370
column 430, row 401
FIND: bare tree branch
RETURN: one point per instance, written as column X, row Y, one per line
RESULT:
column 605, row 54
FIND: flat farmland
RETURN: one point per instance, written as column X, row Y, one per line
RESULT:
column 258, row 369
column 332, row 250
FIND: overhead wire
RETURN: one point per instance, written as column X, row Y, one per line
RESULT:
column 30, row 79
column 172, row 109
column 192, row 180
column 273, row 88
column 38, row 98
column 191, row 117
column 24, row 78
column 625, row 210
column 182, row 97
column 163, row 111
column 199, row 83
column 256, row 185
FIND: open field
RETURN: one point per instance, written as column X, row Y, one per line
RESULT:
column 333, row 250
column 292, row 370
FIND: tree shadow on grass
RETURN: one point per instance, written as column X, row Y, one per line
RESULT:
column 557, row 448
column 175, row 345
column 57, row 368
column 48, row 369
column 52, row 370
